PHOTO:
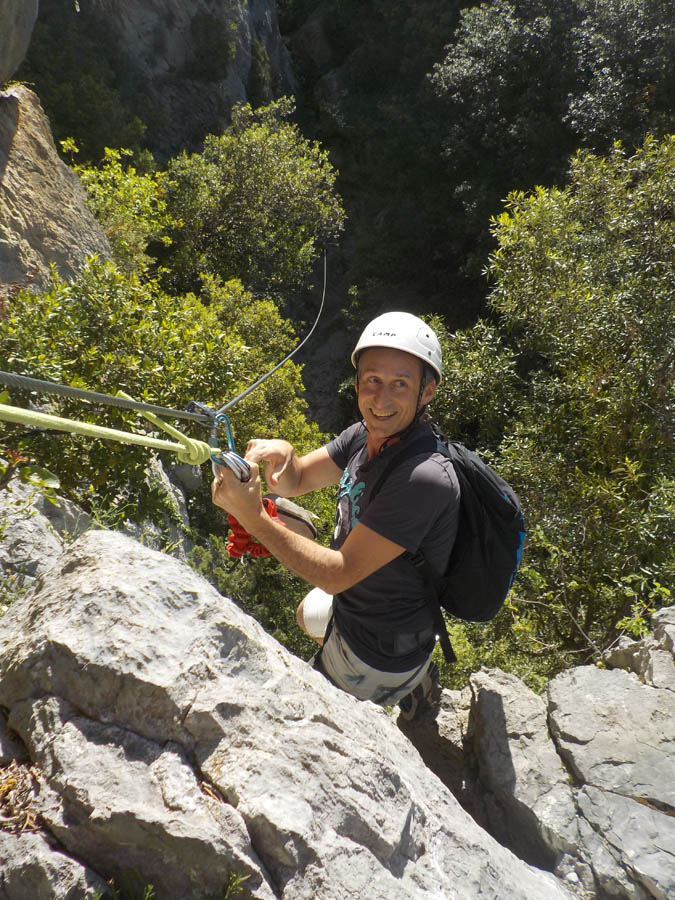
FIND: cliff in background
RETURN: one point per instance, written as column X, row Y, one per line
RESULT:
column 189, row 61
column 18, row 19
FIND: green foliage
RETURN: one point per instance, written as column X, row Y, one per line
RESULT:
column 381, row 120
column 598, row 261
column 129, row 205
column 16, row 465
column 525, row 82
column 480, row 387
column 504, row 84
column 235, row 886
column 107, row 332
column 626, row 87
column 257, row 204
column 584, row 285
column 131, row 886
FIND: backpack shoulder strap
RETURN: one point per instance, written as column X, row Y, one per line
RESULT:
column 431, row 443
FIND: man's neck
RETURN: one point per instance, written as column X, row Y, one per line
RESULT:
column 375, row 444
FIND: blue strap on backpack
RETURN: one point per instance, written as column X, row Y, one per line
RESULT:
column 489, row 542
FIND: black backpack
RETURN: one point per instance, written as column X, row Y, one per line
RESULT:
column 489, row 542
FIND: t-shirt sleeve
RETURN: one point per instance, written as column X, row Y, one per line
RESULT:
column 411, row 501
column 341, row 448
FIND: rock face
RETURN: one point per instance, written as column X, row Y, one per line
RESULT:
column 579, row 782
column 43, row 216
column 18, row 18
column 178, row 744
column 194, row 59
column 156, row 734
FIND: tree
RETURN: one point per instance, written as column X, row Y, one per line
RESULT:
column 626, row 82
column 77, row 73
column 257, row 204
column 526, row 82
column 106, row 331
column 583, row 285
column 129, row 205
column 504, row 84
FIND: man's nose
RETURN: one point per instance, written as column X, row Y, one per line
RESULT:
column 383, row 394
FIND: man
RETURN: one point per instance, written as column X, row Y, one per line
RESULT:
column 379, row 642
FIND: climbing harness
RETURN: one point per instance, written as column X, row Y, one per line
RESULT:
column 188, row 450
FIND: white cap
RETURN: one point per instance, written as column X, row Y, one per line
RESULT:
column 402, row 331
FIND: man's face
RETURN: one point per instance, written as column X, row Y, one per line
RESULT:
column 388, row 389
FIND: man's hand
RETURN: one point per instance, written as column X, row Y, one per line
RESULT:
column 242, row 499
column 291, row 475
column 277, row 458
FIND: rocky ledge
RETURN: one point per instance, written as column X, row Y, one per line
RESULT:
column 152, row 733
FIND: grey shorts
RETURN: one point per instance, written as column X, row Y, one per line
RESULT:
column 344, row 668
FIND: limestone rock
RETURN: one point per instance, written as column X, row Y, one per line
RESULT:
column 439, row 738
column 616, row 733
column 663, row 623
column 617, row 737
column 44, row 219
column 123, row 664
column 29, row 544
column 527, row 796
column 33, row 531
column 132, row 805
column 18, row 18
column 10, row 747
column 194, row 59
column 652, row 663
column 31, row 868
column 640, row 838
column 154, row 707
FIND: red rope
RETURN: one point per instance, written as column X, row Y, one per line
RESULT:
column 241, row 542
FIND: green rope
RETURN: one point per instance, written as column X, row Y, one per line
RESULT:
column 121, row 400
column 188, row 450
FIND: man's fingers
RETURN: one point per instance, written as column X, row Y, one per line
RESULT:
column 256, row 450
column 276, row 474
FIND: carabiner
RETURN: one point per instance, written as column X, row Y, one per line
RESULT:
column 230, row 457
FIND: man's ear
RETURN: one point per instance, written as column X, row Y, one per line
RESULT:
column 428, row 392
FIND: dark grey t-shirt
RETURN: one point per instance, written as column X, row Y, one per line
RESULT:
column 416, row 507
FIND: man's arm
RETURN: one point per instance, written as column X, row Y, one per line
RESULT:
column 289, row 474
column 363, row 553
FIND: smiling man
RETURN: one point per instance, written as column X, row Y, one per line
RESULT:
column 368, row 607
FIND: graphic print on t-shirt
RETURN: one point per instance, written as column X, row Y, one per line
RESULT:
column 353, row 494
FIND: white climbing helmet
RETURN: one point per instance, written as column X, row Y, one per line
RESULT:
column 402, row 331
